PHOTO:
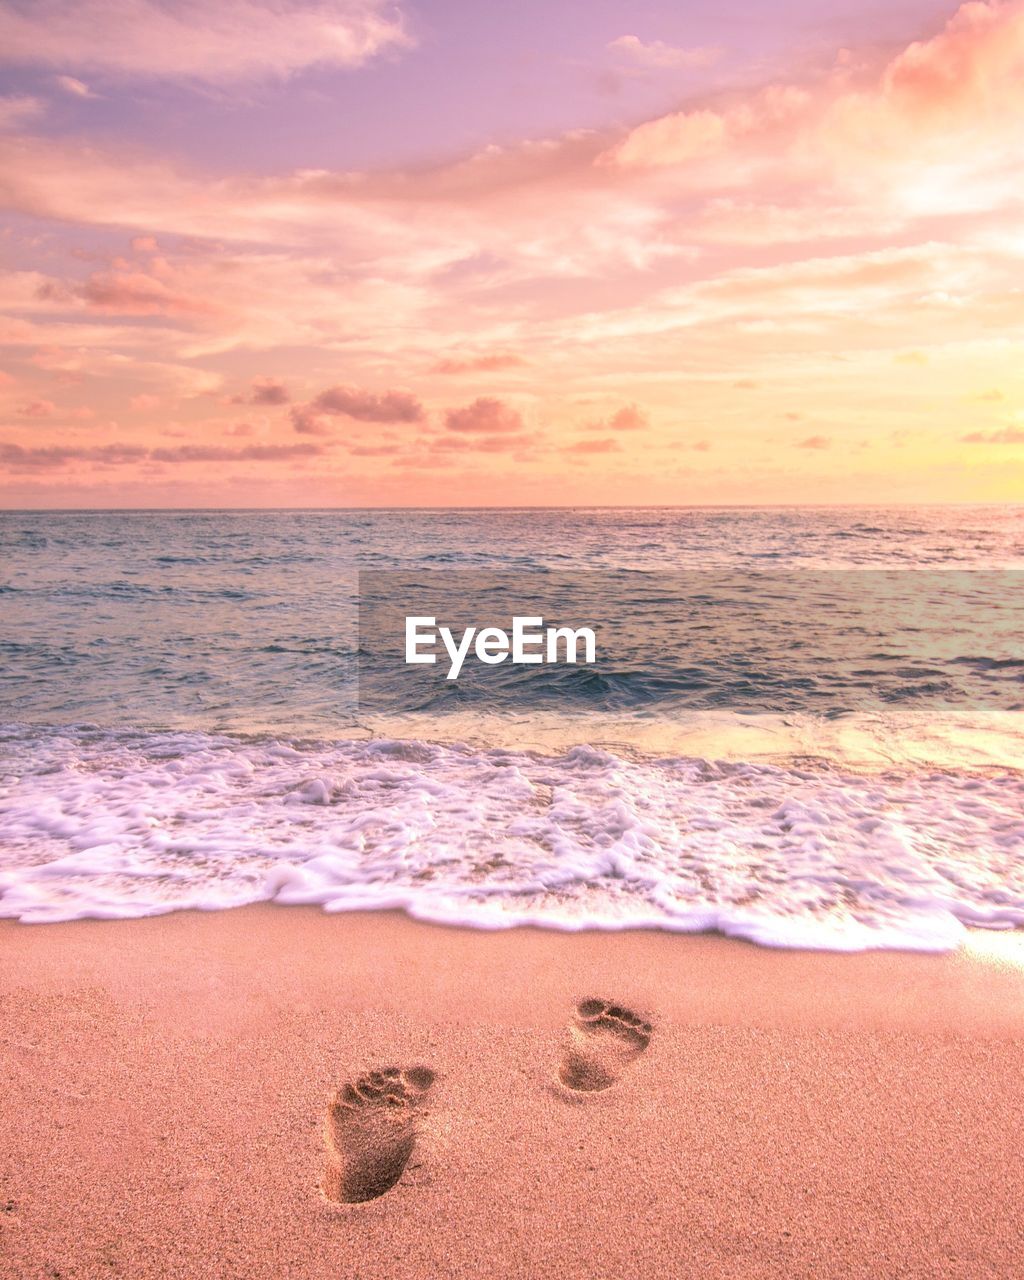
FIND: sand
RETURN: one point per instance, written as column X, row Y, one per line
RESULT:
column 167, row 1084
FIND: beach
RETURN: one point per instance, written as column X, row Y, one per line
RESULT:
column 511, row 640
column 790, row 1113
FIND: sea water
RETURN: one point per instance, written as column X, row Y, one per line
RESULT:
column 187, row 721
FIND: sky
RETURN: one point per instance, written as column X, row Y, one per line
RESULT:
column 444, row 253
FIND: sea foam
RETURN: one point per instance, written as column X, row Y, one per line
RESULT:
column 105, row 825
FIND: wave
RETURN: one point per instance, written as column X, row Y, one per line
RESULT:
column 106, row 824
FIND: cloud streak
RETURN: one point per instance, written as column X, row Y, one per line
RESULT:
column 17, row 110
column 18, row 457
column 492, row 363
column 1004, row 435
column 661, row 56
column 222, row 42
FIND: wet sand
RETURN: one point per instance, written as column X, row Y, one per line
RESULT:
column 174, row 1103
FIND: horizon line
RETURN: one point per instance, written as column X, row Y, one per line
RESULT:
column 624, row 506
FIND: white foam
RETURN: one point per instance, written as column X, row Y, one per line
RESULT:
column 118, row 825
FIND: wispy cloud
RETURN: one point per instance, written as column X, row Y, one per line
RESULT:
column 1004, row 435
column 45, row 457
column 75, row 88
column 607, row 445
column 17, row 110
column 490, row 363
column 222, row 41
column 37, row 409
column 658, row 54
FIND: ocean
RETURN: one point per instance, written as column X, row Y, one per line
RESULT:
column 805, row 726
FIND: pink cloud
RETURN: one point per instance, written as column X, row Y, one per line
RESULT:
column 671, row 140
column 373, row 450
column 815, row 442
column 607, row 445
column 37, row 409
column 517, row 443
column 966, row 62
column 628, row 419
column 268, row 391
column 75, row 88
column 479, row 364
column 136, row 293
column 958, row 89
column 1005, row 435
column 19, row 458
column 366, row 406
column 484, row 416
column 969, row 72
column 307, row 424
column 249, row 453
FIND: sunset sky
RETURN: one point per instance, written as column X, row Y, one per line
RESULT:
column 347, row 253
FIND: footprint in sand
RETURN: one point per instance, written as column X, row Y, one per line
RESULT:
column 370, row 1132
column 603, row 1039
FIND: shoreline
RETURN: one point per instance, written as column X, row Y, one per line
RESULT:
column 976, row 988
column 796, row 1114
column 108, row 826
